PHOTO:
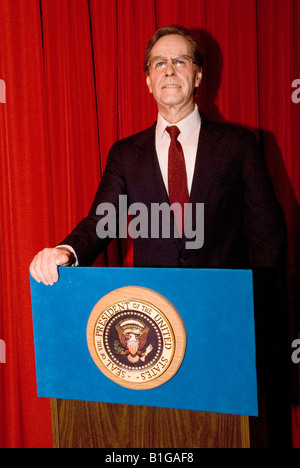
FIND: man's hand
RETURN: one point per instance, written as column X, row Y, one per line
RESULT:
column 44, row 266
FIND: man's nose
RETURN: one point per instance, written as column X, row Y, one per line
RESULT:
column 170, row 69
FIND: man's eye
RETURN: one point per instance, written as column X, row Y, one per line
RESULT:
column 179, row 62
column 160, row 64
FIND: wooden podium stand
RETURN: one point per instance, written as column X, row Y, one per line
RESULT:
column 80, row 424
column 214, row 389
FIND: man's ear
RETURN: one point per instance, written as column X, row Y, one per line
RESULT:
column 148, row 81
column 198, row 78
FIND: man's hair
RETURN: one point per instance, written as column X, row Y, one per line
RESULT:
column 196, row 52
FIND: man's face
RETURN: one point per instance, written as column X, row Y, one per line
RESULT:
column 170, row 84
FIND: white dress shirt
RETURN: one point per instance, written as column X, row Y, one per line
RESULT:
column 189, row 135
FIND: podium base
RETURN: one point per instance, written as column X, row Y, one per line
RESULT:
column 81, row 424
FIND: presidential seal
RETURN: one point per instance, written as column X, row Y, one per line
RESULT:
column 136, row 337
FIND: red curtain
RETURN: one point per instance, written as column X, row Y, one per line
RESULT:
column 74, row 84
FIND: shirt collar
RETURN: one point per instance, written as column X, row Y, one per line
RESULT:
column 186, row 125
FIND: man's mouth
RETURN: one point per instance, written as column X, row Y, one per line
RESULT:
column 171, row 86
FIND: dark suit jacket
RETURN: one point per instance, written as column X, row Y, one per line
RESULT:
column 243, row 226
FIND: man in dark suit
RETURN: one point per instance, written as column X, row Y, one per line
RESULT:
column 222, row 171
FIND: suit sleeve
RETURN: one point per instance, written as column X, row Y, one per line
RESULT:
column 264, row 219
column 86, row 239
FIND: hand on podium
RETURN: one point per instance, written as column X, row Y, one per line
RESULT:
column 44, row 266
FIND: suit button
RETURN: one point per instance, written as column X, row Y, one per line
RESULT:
column 181, row 261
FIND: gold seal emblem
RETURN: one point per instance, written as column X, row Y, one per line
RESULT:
column 136, row 337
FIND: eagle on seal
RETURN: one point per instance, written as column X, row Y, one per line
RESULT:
column 133, row 337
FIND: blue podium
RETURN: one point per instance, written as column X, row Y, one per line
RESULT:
column 218, row 372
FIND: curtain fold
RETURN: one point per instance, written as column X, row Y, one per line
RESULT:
column 74, row 79
column 25, row 196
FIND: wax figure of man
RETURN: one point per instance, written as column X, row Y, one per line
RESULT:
column 222, row 169
column 219, row 166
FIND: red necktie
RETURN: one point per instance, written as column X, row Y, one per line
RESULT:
column 177, row 179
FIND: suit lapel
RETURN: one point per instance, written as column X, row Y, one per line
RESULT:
column 154, row 189
column 208, row 161
column 149, row 169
